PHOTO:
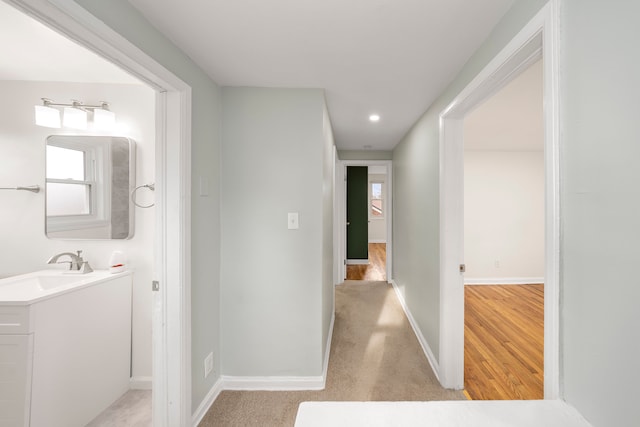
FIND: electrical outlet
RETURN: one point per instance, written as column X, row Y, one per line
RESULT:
column 208, row 364
column 497, row 263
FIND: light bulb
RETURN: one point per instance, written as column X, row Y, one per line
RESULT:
column 103, row 119
column 47, row 116
column 74, row 118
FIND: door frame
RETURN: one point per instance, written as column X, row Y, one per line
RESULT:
column 172, row 303
column 340, row 247
column 537, row 39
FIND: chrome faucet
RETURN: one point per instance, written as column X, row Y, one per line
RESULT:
column 76, row 263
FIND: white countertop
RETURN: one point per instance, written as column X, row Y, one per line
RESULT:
column 26, row 289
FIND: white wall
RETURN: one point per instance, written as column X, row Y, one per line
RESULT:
column 503, row 215
column 24, row 246
column 600, row 201
column 274, row 280
column 378, row 226
column 416, row 235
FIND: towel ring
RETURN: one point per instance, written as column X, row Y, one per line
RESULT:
column 151, row 187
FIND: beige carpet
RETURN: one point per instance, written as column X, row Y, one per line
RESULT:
column 375, row 356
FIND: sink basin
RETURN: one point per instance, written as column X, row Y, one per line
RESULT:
column 43, row 283
column 31, row 287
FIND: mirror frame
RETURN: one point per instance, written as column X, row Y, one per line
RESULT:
column 108, row 189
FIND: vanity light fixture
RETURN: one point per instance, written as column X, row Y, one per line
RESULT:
column 104, row 119
column 46, row 115
column 75, row 115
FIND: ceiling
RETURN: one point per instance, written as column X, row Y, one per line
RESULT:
column 32, row 51
column 512, row 119
column 390, row 57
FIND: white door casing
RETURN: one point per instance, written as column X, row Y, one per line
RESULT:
column 537, row 39
column 340, row 245
column 172, row 303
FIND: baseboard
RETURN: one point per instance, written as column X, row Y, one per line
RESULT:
column 416, row 330
column 378, row 241
column 227, row 382
column 273, row 383
column 505, row 281
column 140, row 383
column 357, row 261
column 206, row 403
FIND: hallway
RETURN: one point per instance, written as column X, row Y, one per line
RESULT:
column 375, row 356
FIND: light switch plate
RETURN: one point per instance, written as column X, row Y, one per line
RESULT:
column 204, row 186
column 292, row 220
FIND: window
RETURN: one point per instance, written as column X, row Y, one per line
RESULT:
column 75, row 186
column 69, row 183
column 377, row 201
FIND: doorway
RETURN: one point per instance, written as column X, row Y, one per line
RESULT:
column 171, row 303
column 375, row 201
column 536, row 40
column 504, row 242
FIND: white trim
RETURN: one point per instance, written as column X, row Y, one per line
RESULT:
column 339, row 242
column 337, row 257
column 537, row 38
column 269, row 383
column 327, row 350
column 377, row 240
column 206, row 403
column 431, row 358
column 172, row 304
column 272, row 383
column 358, row 261
column 266, row 383
column 341, row 195
column 552, row 208
column 140, row 383
column 505, row 281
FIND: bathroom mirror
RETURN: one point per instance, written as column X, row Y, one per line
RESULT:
column 88, row 183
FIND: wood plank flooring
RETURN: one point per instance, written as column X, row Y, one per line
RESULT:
column 376, row 269
column 504, row 342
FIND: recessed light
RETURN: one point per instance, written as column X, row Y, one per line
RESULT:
column 374, row 118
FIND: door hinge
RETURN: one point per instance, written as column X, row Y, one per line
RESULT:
column 155, row 286
column 345, row 262
column 463, row 268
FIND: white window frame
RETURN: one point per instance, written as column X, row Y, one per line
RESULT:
column 383, row 196
column 97, row 177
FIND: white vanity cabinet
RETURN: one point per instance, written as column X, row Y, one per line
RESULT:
column 65, row 357
column 16, row 353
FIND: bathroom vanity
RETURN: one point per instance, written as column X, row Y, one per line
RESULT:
column 65, row 346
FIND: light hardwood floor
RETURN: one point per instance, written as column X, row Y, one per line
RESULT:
column 504, row 342
column 376, row 269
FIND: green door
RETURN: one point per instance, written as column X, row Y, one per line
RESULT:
column 357, row 213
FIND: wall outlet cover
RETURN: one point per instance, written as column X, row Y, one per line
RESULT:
column 208, row 364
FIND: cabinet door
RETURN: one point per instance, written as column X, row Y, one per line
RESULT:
column 16, row 353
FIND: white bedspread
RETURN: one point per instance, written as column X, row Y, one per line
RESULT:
column 531, row 413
